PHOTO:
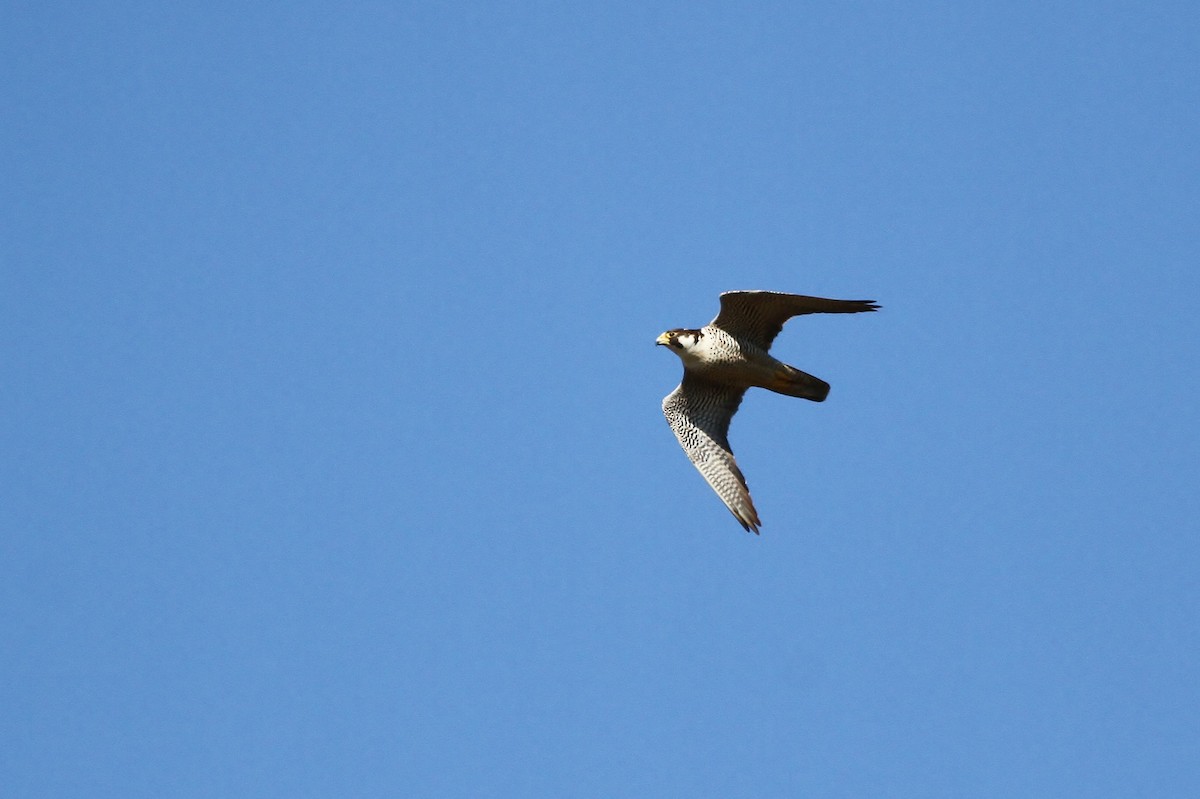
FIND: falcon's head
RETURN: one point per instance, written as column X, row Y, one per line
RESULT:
column 679, row 340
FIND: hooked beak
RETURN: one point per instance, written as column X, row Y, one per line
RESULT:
column 662, row 339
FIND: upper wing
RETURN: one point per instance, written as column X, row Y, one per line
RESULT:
column 699, row 412
column 758, row 316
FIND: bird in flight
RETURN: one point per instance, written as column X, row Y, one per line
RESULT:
column 723, row 359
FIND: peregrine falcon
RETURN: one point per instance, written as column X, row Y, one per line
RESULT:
column 723, row 359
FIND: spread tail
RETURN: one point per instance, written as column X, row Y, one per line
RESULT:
column 794, row 383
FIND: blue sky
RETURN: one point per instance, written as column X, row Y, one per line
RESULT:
column 334, row 458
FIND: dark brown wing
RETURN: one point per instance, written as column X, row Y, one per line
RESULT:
column 758, row 316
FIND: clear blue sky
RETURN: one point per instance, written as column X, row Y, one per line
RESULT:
column 333, row 457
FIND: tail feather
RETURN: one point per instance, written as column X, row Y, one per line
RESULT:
column 794, row 383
